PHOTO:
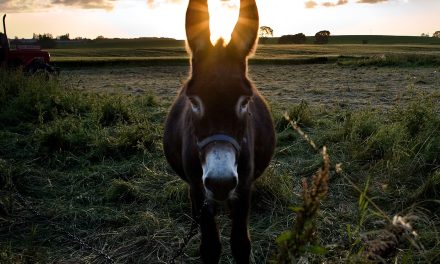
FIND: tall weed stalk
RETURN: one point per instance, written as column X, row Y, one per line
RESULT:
column 302, row 238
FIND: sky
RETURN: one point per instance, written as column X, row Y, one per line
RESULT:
column 165, row 18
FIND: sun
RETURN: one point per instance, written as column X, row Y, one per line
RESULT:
column 223, row 15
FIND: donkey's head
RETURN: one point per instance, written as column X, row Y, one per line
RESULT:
column 219, row 94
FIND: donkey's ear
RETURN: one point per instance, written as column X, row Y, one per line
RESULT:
column 197, row 25
column 245, row 33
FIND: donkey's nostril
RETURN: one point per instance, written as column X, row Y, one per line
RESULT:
column 207, row 183
column 213, row 184
column 220, row 186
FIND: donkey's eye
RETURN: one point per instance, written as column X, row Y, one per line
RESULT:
column 195, row 105
column 243, row 104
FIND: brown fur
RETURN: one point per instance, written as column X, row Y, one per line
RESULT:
column 219, row 79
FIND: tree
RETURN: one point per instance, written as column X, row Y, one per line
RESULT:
column 46, row 41
column 426, row 35
column 322, row 37
column 299, row 38
column 64, row 37
column 436, row 34
column 266, row 32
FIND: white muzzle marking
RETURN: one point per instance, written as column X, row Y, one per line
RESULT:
column 220, row 175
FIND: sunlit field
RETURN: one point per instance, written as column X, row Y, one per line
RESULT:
column 84, row 179
column 152, row 51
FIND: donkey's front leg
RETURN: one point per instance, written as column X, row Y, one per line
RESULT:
column 240, row 242
column 204, row 212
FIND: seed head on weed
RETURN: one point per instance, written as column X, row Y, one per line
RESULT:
column 390, row 238
column 296, row 127
column 302, row 237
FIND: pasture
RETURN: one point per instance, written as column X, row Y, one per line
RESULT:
column 84, row 179
column 175, row 54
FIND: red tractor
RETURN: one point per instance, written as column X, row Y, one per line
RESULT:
column 30, row 58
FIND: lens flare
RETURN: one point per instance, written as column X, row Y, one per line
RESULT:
column 223, row 15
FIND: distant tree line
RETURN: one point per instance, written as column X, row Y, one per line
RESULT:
column 435, row 35
column 321, row 37
column 299, row 38
column 48, row 41
column 64, row 37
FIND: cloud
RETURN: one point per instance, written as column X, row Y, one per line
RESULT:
column 225, row 3
column 371, row 1
column 230, row 4
column 21, row 6
column 87, row 4
column 330, row 4
column 311, row 4
column 156, row 3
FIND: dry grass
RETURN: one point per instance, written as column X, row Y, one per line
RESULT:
column 92, row 164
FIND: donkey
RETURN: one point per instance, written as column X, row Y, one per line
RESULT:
column 219, row 135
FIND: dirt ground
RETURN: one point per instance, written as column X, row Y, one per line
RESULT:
column 282, row 85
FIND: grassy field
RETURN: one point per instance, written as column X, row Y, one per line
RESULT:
column 167, row 42
column 83, row 177
column 329, row 85
column 382, row 50
column 401, row 55
column 372, row 39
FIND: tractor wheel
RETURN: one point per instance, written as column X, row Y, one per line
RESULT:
column 35, row 66
column 39, row 67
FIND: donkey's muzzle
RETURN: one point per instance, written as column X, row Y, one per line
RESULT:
column 220, row 176
column 221, row 188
